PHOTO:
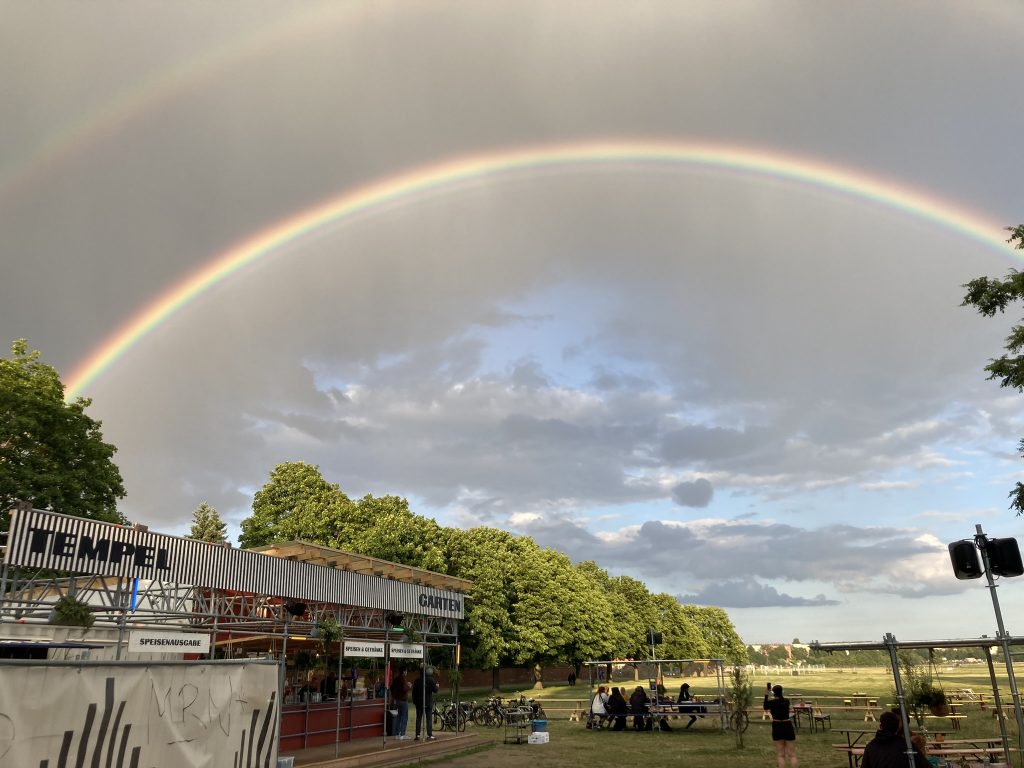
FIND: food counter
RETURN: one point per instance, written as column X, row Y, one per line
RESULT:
column 314, row 724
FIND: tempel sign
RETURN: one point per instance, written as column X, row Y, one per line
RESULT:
column 142, row 641
column 48, row 540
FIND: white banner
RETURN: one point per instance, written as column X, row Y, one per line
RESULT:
column 364, row 649
column 145, row 641
column 406, row 651
column 123, row 714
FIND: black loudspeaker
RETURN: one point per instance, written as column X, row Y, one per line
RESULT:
column 394, row 619
column 296, row 609
column 654, row 638
column 1004, row 557
column 964, row 556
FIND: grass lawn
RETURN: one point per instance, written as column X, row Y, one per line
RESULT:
column 708, row 746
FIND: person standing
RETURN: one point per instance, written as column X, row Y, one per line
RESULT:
column 400, row 696
column 783, row 732
column 423, row 690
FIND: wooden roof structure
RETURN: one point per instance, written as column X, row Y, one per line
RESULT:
column 316, row 554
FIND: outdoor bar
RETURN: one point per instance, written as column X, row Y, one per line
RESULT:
column 336, row 622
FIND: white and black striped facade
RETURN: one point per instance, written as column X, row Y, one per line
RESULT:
column 49, row 540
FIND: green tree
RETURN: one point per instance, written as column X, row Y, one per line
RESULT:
column 385, row 527
column 297, row 504
column 207, row 525
column 485, row 556
column 641, row 615
column 623, row 636
column 991, row 295
column 717, row 633
column 682, row 638
column 558, row 610
column 51, row 453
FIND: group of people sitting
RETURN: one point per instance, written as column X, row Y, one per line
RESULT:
column 613, row 708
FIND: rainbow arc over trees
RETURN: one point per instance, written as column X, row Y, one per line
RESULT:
column 503, row 164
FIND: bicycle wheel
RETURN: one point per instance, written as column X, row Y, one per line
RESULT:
column 738, row 721
column 460, row 720
column 438, row 719
column 480, row 715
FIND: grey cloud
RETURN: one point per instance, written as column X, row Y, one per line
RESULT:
column 750, row 594
column 850, row 558
column 693, row 494
column 709, row 444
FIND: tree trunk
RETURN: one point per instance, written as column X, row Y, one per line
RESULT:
column 496, row 680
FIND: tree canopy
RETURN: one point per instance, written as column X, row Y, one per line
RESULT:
column 991, row 295
column 528, row 605
column 52, row 454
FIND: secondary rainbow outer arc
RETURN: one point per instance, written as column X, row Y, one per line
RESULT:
column 492, row 165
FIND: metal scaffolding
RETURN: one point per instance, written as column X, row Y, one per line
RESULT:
column 891, row 645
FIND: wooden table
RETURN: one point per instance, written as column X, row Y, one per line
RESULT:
column 854, row 747
column 966, row 747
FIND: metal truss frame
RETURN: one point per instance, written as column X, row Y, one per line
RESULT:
column 30, row 598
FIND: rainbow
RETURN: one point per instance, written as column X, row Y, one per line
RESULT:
column 53, row 151
column 498, row 165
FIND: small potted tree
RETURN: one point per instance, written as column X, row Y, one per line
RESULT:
column 69, row 611
column 741, row 698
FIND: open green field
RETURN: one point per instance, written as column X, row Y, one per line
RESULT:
column 707, row 746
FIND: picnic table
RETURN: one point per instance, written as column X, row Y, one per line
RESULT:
column 948, row 748
column 855, row 741
column 979, row 748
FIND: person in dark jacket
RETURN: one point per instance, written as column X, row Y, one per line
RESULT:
column 423, row 690
column 618, row 709
column 783, row 732
column 639, row 706
column 687, row 704
column 889, row 747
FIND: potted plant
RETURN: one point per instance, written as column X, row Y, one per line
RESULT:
column 936, row 701
column 71, row 612
column 920, row 694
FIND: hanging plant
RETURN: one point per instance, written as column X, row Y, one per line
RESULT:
column 411, row 634
column 71, row 612
column 328, row 632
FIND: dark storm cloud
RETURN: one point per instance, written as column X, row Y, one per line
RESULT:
column 693, row 494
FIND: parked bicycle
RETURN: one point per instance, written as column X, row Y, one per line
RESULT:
column 449, row 717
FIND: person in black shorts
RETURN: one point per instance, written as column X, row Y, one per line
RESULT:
column 783, row 732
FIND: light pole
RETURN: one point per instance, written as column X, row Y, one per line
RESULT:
column 1002, row 558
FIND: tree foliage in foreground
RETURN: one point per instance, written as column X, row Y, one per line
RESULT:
column 529, row 604
column 52, row 454
column 990, row 295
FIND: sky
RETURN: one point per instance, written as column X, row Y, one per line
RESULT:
column 671, row 286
